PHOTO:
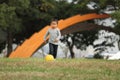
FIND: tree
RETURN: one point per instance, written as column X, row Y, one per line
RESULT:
column 112, row 6
column 116, row 16
column 35, row 17
column 79, row 39
column 9, row 22
column 21, row 18
column 105, row 42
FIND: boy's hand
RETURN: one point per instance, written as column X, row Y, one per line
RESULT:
column 45, row 41
column 56, row 40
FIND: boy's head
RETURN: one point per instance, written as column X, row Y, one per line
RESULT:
column 54, row 23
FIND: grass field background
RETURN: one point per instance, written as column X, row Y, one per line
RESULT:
column 60, row 69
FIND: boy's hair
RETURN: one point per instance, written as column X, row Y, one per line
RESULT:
column 54, row 20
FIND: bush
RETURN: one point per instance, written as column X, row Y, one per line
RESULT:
column 98, row 56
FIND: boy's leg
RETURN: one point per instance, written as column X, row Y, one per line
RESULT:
column 55, row 50
column 51, row 49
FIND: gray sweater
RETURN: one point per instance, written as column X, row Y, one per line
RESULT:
column 54, row 34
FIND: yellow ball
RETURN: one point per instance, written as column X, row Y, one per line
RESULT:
column 49, row 57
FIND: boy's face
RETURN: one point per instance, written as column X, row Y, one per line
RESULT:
column 53, row 24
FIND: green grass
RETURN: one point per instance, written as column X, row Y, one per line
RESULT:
column 60, row 69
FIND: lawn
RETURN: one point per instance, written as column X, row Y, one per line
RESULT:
column 60, row 69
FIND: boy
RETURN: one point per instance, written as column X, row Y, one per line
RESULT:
column 55, row 35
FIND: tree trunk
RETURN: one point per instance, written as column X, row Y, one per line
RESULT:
column 70, row 46
column 9, row 42
column 71, row 52
column 71, row 49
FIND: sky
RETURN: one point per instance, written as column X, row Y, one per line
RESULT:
column 69, row 0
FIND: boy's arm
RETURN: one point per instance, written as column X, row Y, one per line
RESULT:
column 45, row 37
column 59, row 35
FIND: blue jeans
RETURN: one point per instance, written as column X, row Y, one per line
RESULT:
column 53, row 49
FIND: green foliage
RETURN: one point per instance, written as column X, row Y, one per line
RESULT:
column 8, row 18
column 102, row 2
column 19, row 4
column 116, row 16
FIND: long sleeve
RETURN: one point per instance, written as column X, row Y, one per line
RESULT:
column 47, row 33
column 59, row 34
